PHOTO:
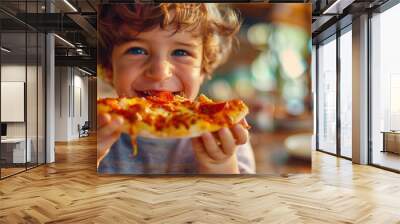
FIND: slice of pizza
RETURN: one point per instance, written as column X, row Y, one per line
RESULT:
column 165, row 115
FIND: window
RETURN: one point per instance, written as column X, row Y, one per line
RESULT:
column 327, row 96
column 385, row 89
column 346, row 93
column 23, row 87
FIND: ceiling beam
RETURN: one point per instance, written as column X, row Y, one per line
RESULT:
column 337, row 7
column 84, row 24
column 320, row 22
column 83, row 61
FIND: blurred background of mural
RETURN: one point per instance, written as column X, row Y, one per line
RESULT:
column 270, row 71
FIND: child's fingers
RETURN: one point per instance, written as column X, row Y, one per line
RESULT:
column 197, row 145
column 244, row 123
column 241, row 134
column 211, row 146
column 103, row 146
column 227, row 140
column 114, row 125
column 199, row 149
column 107, row 135
column 107, row 141
column 103, row 119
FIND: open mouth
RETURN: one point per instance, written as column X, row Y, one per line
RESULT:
column 144, row 93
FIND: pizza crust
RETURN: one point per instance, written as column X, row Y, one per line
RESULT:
column 195, row 130
column 172, row 116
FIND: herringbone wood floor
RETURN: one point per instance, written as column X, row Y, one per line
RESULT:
column 70, row 191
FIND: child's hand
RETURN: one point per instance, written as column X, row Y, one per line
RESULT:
column 215, row 152
column 109, row 130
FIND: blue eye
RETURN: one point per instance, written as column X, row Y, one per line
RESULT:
column 136, row 51
column 180, row 53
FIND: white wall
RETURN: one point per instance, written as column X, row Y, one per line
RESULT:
column 71, row 94
column 80, row 100
column 33, row 127
column 61, row 104
column 12, row 73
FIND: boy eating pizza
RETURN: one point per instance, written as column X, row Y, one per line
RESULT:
column 145, row 48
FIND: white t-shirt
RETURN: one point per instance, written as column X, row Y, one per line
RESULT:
column 162, row 156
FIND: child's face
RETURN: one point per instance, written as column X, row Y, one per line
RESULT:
column 158, row 60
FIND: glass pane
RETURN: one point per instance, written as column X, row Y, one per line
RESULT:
column 32, row 88
column 31, row 98
column 41, row 98
column 386, row 89
column 327, row 97
column 314, row 90
column 13, row 85
column 346, row 94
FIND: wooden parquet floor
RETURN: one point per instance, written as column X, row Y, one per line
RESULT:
column 70, row 191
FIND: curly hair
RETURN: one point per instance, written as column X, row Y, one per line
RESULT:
column 218, row 25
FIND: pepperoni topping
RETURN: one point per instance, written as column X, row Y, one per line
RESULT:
column 148, row 120
column 211, row 108
column 161, row 97
column 160, row 123
column 135, row 108
column 113, row 103
column 131, row 116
